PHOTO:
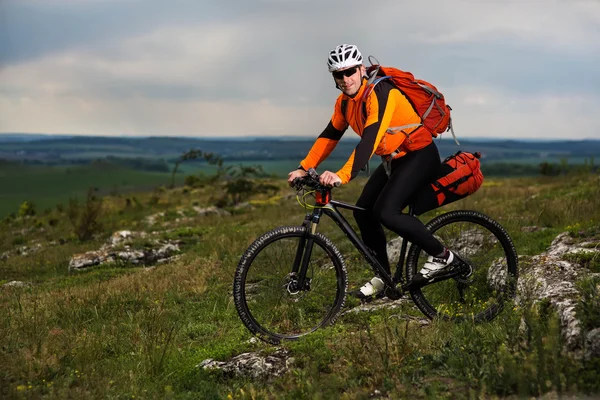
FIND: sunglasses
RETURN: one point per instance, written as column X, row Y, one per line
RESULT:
column 345, row 73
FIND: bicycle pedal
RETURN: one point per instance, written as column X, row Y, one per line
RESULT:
column 367, row 299
column 393, row 293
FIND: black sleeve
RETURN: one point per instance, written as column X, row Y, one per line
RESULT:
column 367, row 144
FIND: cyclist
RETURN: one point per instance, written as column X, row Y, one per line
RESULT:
column 410, row 160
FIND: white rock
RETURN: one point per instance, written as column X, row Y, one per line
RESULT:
column 253, row 365
column 551, row 278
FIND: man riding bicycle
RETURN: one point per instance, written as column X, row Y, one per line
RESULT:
column 410, row 161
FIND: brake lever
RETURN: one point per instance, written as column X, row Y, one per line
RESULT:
column 314, row 175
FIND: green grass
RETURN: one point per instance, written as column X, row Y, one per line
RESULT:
column 137, row 332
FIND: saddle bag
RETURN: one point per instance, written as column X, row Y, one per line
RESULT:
column 459, row 176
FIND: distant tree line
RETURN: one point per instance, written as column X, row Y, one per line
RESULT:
column 562, row 168
column 138, row 163
column 500, row 169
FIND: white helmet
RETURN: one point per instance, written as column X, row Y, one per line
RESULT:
column 343, row 56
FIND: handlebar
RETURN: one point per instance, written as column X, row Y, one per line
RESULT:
column 311, row 180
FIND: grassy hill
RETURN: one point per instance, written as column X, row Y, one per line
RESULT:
column 130, row 331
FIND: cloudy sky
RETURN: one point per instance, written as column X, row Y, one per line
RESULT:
column 508, row 68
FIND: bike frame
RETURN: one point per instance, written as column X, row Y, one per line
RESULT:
column 330, row 208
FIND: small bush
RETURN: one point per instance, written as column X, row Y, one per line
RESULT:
column 85, row 218
column 154, row 200
column 18, row 241
column 193, row 181
column 244, row 182
column 27, row 209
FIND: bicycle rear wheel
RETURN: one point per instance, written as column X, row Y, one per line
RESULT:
column 265, row 295
column 488, row 249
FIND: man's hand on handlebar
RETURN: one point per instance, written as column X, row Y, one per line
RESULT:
column 329, row 178
column 297, row 173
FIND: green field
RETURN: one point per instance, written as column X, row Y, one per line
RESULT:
column 47, row 186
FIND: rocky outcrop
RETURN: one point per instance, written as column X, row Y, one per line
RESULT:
column 552, row 277
column 118, row 249
column 252, row 365
column 21, row 251
column 16, row 284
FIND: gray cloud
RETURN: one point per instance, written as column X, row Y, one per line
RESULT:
column 247, row 54
column 36, row 28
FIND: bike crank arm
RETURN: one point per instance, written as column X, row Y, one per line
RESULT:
column 418, row 285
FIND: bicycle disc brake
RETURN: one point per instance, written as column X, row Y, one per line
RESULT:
column 293, row 287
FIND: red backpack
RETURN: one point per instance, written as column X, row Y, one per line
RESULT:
column 428, row 102
column 459, row 176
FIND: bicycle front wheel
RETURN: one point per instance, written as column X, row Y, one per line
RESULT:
column 489, row 251
column 266, row 294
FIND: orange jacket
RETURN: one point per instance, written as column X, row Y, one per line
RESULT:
column 385, row 107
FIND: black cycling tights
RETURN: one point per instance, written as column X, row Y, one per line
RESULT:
column 385, row 198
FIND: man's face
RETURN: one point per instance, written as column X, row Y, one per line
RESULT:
column 349, row 79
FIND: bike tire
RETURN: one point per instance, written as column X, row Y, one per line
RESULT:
column 262, row 299
column 485, row 245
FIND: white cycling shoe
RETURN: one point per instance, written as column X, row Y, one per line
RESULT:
column 436, row 267
column 370, row 290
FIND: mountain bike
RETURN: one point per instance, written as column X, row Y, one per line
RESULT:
column 293, row 280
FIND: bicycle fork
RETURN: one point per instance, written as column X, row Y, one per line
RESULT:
column 298, row 280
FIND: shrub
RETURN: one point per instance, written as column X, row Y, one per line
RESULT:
column 588, row 308
column 194, row 181
column 85, row 218
column 244, row 182
column 26, row 209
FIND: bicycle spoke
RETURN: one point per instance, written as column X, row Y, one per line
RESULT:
column 487, row 250
column 272, row 301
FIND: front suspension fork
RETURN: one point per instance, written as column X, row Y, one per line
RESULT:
column 304, row 250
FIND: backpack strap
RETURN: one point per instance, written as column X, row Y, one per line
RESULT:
column 451, row 129
column 344, row 106
column 430, row 90
column 387, row 161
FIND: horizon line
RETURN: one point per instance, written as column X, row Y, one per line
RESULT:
column 290, row 137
